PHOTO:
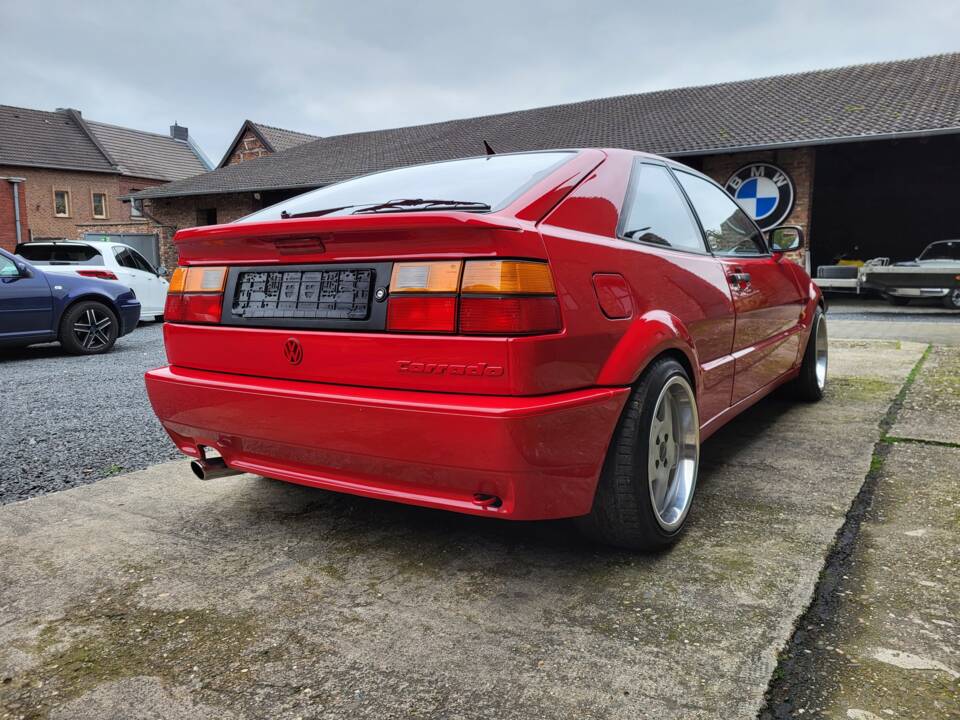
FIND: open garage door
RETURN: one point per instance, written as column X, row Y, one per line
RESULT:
column 884, row 198
column 147, row 244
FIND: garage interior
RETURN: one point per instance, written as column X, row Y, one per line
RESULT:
column 887, row 198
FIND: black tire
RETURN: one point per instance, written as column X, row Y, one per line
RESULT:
column 898, row 301
column 952, row 299
column 76, row 341
column 623, row 511
column 809, row 386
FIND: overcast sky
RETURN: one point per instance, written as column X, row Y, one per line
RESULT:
column 336, row 67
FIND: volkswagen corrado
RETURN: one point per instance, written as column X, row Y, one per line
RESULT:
column 523, row 336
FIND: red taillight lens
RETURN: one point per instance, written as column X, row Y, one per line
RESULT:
column 100, row 274
column 193, row 307
column 509, row 315
column 422, row 313
column 195, row 295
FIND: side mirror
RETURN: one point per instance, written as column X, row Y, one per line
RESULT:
column 786, row 238
column 162, row 271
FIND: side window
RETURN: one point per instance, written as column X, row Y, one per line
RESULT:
column 655, row 211
column 728, row 229
column 142, row 263
column 125, row 258
column 8, row 268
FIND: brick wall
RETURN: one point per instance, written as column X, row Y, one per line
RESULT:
column 41, row 183
column 797, row 162
column 248, row 147
column 8, row 216
column 171, row 214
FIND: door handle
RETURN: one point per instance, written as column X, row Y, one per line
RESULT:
column 739, row 278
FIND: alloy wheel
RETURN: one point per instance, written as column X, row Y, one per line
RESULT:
column 92, row 329
column 820, row 352
column 673, row 453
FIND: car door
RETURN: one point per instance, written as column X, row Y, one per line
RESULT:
column 26, row 305
column 136, row 273
column 674, row 269
column 766, row 295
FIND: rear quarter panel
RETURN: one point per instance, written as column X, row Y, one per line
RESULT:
column 681, row 301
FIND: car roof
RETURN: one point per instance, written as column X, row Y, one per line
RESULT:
column 98, row 244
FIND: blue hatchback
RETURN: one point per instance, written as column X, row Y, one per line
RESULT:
column 85, row 314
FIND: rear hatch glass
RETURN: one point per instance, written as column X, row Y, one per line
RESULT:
column 493, row 181
column 55, row 254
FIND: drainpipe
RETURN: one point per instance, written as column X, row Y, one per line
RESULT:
column 15, row 181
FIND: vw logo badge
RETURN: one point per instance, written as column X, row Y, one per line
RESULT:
column 764, row 191
column 293, row 351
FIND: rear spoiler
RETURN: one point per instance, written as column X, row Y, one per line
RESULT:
column 347, row 237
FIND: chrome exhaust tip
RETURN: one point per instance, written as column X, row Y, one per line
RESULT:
column 211, row 469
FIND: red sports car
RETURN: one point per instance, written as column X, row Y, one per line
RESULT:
column 524, row 336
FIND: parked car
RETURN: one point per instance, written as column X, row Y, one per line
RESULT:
column 526, row 336
column 934, row 274
column 104, row 260
column 86, row 315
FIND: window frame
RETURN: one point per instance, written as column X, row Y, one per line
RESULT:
column 693, row 208
column 136, row 206
column 635, row 171
column 69, row 203
column 93, row 205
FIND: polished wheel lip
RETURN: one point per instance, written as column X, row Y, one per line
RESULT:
column 91, row 329
column 673, row 453
column 820, row 352
column 955, row 298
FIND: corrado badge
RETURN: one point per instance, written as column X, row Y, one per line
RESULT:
column 764, row 191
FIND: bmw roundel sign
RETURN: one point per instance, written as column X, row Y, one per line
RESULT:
column 764, row 191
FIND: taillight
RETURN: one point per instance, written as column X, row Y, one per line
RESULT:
column 195, row 295
column 99, row 274
column 475, row 297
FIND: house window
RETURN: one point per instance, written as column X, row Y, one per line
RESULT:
column 207, row 216
column 136, row 208
column 100, row 205
column 61, row 203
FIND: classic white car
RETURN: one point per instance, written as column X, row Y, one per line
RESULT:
column 104, row 260
column 934, row 274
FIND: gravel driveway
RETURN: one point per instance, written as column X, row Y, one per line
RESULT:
column 68, row 420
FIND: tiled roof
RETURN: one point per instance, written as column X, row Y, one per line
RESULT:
column 280, row 139
column 37, row 138
column 64, row 139
column 148, row 155
column 901, row 98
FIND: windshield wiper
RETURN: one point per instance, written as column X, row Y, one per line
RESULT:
column 404, row 204
column 313, row 213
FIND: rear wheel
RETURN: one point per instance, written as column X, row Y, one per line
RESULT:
column 650, row 474
column 952, row 299
column 88, row 328
column 896, row 300
column 812, row 380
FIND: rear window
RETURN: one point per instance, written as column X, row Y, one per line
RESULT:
column 493, row 180
column 52, row 254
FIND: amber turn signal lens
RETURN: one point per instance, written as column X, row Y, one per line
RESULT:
column 507, row 277
column 439, row 276
column 198, row 279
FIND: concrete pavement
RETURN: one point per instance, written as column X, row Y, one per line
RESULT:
column 153, row 595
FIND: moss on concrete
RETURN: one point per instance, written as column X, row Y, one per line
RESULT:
column 112, row 637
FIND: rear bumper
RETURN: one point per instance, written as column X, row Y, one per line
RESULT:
column 541, row 456
column 129, row 317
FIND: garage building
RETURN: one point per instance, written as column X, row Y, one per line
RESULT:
column 864, row 157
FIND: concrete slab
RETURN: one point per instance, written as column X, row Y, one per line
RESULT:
column 931, row 408
column 250, row 598
column 937, row 333
column 891, row 647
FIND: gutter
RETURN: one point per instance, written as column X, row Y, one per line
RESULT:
column 15, row 182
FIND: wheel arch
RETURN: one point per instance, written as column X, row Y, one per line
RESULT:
column 71, row 301
column 651, row 336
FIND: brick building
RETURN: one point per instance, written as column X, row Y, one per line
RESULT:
column 255, row 140
column 68, row 174
column 863, row 158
